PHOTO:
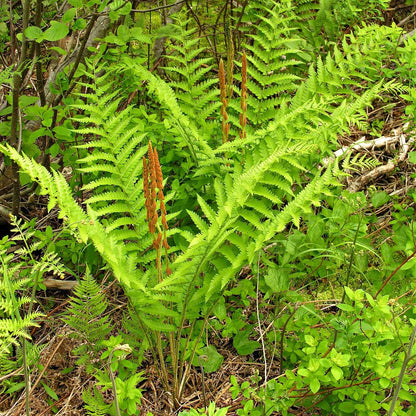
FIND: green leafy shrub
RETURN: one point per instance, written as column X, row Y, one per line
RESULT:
column 210, row 411
column 349, row 376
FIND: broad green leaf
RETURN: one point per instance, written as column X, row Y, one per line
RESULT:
column 243, row 344
column 120, row 8
column 25, row 100
column 310, row 340
column 345, row 307
column 69, row 15
column 76, row 3
column 313, row 365
column 136, row 33
column 405, row 395
column 68, row 369
column 3, row 29
column 412, row 157
column 111, row 38
column 79, row 24
column 15, row 387
column 337, row 372
column 34, row 32
column 349, row 293
column 50, row 392
column 380, row 198
column 277, row 280
column 384, row 382
column 347, row 407
column 210, row 359
column 304, row 372
column 219, row 310
column 54, row 150
column 59, row 50
column 123, row 33
column 315, row 385
column 56, row 32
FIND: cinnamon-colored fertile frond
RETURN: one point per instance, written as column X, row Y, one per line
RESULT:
column 145, row 178
column 165, row 244
column 157, row 241
column 150, row 152
column 162, row 207
column 153, row 191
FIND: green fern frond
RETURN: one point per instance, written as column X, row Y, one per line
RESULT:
column 95, row 404
column 197, row 95
column 85, row 315
column 186, row 128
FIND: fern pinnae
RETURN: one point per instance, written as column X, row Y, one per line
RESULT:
column 97, row 156
column 198, row 221
column 101, row 167
column 104, row 181
column 291, row 212
column 207, row 210
column 194, row 89
column 261, row 206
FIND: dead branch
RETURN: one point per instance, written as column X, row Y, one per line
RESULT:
column 60, row 284
column 398, row 138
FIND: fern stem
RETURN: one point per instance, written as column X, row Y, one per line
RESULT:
column 183, row 354
column 185, row 374
column 16, row 116
column 126, row 348
column 174, row 354
column 113, row 383
column 263, row 346
column 352, row 257
column 205, row 257
column 154, row 350
column 165, row 375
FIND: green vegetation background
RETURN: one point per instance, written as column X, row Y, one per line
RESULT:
column 185, row 151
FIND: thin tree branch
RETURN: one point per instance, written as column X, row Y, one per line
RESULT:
column 158, row 8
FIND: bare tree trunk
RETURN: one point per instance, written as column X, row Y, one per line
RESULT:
column 159, row 45
column 15, row 132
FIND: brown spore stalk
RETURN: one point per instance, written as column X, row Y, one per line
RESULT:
column 153, row 192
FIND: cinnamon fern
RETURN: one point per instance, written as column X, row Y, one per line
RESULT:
column 250, row 189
